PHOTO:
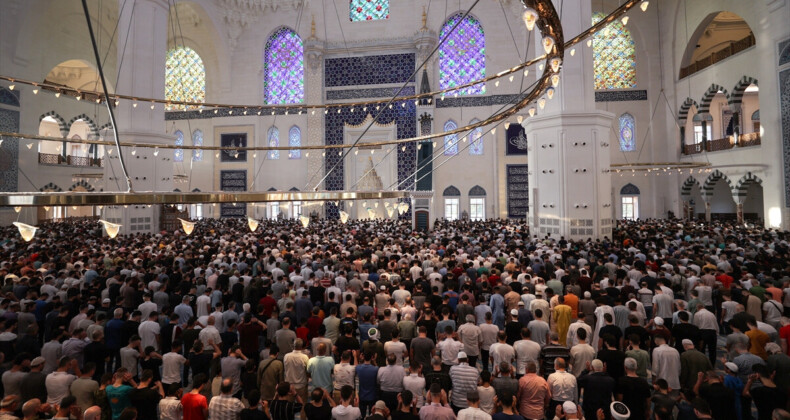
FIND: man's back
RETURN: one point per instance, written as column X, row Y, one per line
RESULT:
column 193, row 405
column 225, row 407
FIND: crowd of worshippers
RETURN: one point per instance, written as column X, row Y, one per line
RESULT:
column 371, row 319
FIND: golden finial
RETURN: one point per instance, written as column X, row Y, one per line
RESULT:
column 312, row 28
column 424, row 18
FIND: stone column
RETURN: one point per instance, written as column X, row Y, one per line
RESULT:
column 705, row 138
column 568, row 149
column 739, row 212
column 143, row 75
column 707, row 211
column 314, row 94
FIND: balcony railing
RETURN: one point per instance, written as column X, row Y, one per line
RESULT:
column 744, row 140
column 60, row 160
column 734, row 48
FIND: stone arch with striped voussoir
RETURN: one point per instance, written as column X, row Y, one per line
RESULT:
column 710, row 184
column 51, row 188
column 707, row 98
column 81, row 184
column 741, row 189
column 685, row 108
column 736, row 98
column 451, row 191
column 688, row 187
column 91, row 124
column 64, row 128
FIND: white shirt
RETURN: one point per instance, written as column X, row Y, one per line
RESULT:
column 58, row 384
column 706, row 320
column 148, row 331
column 171, row 367
column 502, row 352
column 666, row 365
column 526, row 350
column 202, row 303
column 473, row 413
column 209, row 333
column 146, row 308
column 449, row 349
column 563, row 386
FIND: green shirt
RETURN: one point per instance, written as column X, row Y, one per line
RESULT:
column 320, row 369
column 642, row 361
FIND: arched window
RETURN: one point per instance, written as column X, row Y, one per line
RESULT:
column 476, row 139
column 185, row 77
column 462, row 58
column 197, row 140
column 629, row 200
column 294, row 140
column 359, row 10
column 452, row 203
column 614, row 56
column 178, row 154
column 273, row 140
column 284, row 68
column 627, row 133
column 450, row 140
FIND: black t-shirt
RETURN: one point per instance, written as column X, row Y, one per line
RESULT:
column 344, row 343
column 199, row 362
column 401, row 415
column 644, row 336
column 253, row 414
column 513, row 331
column 318, row 413
column 146, row 400
column 430, row 326
column 614, row 362
column 422, row 347
column 684, row 331
column 635, row 391
column 153, row 364
column 613, row 330
column 721, row 400
column 767, row 399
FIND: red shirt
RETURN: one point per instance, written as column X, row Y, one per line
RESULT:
column 248, row 337
column 313, row 323
column 303, row 333
column 268, row 303
column 194, row 404
column 725, row 280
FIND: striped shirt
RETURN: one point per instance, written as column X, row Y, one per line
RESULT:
column 464, row 380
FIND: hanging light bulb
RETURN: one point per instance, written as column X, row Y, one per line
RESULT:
column 187, row 226
column 254, row 155
column 57, row 94
column 156, row 151
column 252, row 224
column 589, row 42
column 11, row 87
column 555, row 80
column 350, row 204
column 216, row 155
column 356, row 152
column 343, row 217
column 30, row 146
column 573, row 52
column 118, row 102
column 74, row 208
column 46, row 208
column 371, row 213
column 526, row 72
column 307, row 154
column 493, row 131
column 520, row 118
column 390, row 211
column 548, row 44
column 364, row 204
column 496, row 84
column 507, row 125
column 35, row 91
column 134, row 105
column 419, row 146
column 376, row 204
column 542, row 103
column 17, row 209
column 26, row 231
column 644, row 5
column 134, row 150
column 111, row 228
column 305, row 221
column 510, row 78
column 532, row 112
column 625, row 20
column 530, row 16
column 555, row 64
column 550, row 92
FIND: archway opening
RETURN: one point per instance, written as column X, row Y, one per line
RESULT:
column 719, row 36
column 753, row 204
column 722, row 205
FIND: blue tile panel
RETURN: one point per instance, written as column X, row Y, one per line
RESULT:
column 368, row 70
column 9, row 151
column 620, row 95
column 784, row 100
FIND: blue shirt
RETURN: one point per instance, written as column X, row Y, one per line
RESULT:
column 112, row 333
column 367, row 374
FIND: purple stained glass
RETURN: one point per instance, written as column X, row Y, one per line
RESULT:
column 178, row 154
column 450, row 140
column 627, row 130
column 284, row 68
column 476, row 139
column 197, row 140
column 295, row 140
column 462, row 57
column 274, row 141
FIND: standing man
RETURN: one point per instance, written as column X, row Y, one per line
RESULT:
column 464, row 381
column 471, row 336
column 533, row 394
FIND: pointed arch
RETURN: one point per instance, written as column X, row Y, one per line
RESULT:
column 742, row 186
column 51, row 187
column 614, row 56
column 740, row 89
column 8, row 97
column 185, row 77
column 707, row 98
column 273, row 140
column 451, row 191
column 295, row 140
column 283, row 64
column 710, row 183
column 178, row 154
column 462, row 57
column 688, row 185
column 477, row 191
column 476, row 140
column 64, row 128
column 450, row 140
column 684, row 110
column 627, row 133
column 81, row 184
column 629, row 189
column 91, row 124
column 197, row 140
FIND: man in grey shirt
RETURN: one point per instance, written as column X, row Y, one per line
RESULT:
column 472, row 337
column 390, row 379
column 285, row 338
column 538, row 329
column 232, row 367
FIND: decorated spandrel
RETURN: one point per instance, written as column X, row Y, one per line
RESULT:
column 361, row 10
column 185, row 78
column 284, row 68
column 614, row 56
column 627, row 130
column 462, row 57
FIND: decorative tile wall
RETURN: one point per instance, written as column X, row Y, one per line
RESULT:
column 9, row 150
column 466, row 101
column 620, row 95
column 338, row 95
column 784, row 52
column 209, row 113
column 368, row 70
column 784, row 100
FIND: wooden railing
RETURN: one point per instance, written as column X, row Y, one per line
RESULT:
column 56, row 159
column 734, row 48
column 744, row 140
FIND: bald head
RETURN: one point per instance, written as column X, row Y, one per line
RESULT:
column 92, row 413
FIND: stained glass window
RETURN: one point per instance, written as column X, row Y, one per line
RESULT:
column 197, row 140
column 273, row 137
column 185, row 77
column 462, row 57
column 284, row 68
column 450, row 140
column 614, row 64
column 295, row 139
column 627, row 133
column 359, row 10
column 178, row 154
column 476, row 139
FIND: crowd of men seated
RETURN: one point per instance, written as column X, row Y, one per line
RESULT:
column 371, row 319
